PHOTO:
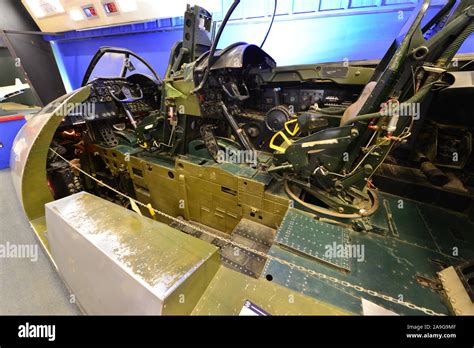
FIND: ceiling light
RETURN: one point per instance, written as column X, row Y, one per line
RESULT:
column 127, row 5
column 76, row 15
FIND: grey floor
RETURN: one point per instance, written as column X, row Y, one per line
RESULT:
column 26, row 287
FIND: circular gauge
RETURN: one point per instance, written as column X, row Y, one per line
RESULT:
column 101, row 91
column 135, row 89
column 276, row 118
column 115, row 89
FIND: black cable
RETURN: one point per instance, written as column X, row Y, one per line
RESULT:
column 271, row 24
column 211, row 59
column 219, row 32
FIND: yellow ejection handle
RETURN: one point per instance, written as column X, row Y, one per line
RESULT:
column 281, row 133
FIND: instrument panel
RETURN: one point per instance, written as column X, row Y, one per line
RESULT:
column 102, row 89
column 303, row 98
column 103, row 103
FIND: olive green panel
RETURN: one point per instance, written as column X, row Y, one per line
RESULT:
column 113, row 158
column 218, row 198
column 135, row 168
column 30, row 151
column 184, row 299
column 350, row 75
column 208, row 194
column 209, row 205
column 229, row 290
column 39, row 225
column 187, row 102
column 164, row 187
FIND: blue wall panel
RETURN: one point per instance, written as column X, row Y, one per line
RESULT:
column 155, row 47
column 284, row 7
column 255, row 9
column 326, row 39
column 363, row 3
column 397, row 2
column 304, row 6
column 305, row 31
column 326, row 5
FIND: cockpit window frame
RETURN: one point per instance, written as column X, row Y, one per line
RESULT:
column 127, row 53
